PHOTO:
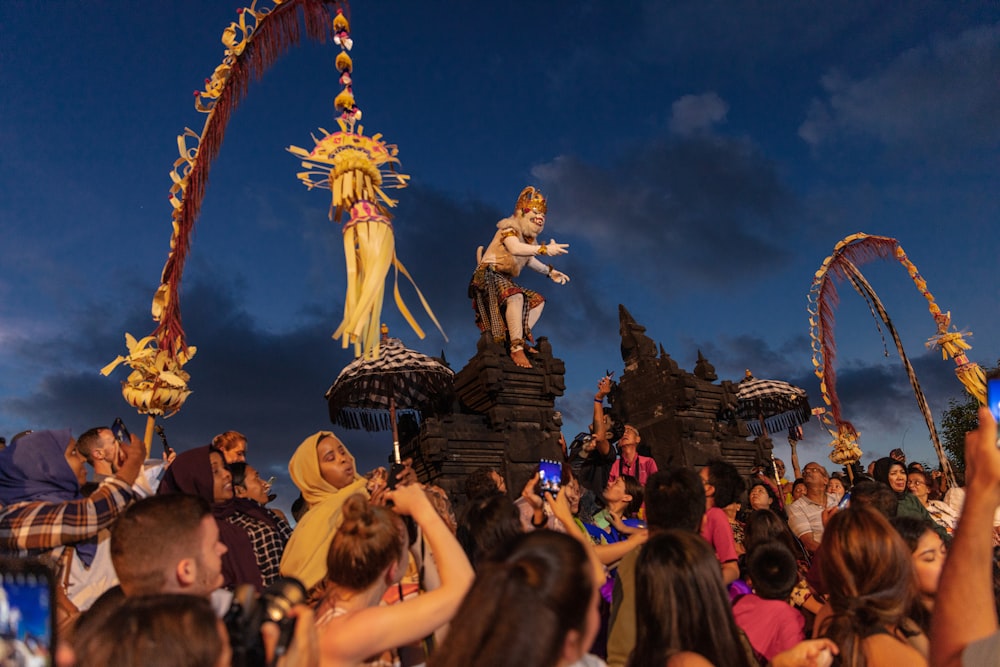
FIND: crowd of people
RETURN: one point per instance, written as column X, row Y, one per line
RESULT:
column 624, row 563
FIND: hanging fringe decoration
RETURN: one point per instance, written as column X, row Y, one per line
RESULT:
column 252, row 43
column 823, row 298
column 358, row 170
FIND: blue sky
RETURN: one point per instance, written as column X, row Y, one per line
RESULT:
column 701, row 158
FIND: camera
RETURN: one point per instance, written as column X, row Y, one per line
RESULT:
column 249, row 612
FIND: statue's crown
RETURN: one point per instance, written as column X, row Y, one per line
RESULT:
column 530, row 199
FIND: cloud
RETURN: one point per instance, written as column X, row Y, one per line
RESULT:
column 697, row 113
column 941, row 96
column 268, row 386
column 702, row 209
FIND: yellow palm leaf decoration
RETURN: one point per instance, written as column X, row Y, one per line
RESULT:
column 358, row 169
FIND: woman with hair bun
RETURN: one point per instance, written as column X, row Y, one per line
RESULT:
column 871, row 590
column 368, row 554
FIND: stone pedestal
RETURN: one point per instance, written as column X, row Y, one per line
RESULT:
column 505, row 418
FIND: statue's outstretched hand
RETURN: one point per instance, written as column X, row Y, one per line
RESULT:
column 558, row 277
column 552, row 248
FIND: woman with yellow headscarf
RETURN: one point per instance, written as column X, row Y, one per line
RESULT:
column 324, row 472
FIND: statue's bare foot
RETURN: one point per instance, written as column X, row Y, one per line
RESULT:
column 520, row 359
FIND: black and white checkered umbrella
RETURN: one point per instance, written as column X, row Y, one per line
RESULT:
column 768, row 406
column 368, row 391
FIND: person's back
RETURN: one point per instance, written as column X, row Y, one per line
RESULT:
column 682, row 611
column 170, row 629
column 771, row 624
column 367, row 555
column 675, row 499
column 872, row 588
column 535, row 605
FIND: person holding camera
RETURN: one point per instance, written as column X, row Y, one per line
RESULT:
column 369, row 554
column 167, row 548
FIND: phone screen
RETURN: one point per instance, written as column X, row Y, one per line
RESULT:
column 120, row 432
column 549, row 476
column 993, row 397
column 27, row 612
column 845, row 501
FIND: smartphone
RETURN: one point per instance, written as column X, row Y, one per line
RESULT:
column 549, row 476
column 120, row 432
column 28, row 621
column 845, row 501
column 993, row 396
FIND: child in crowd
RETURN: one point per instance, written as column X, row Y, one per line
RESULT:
column 770, row 623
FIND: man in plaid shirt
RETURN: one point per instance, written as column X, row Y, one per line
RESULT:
column 41, row 506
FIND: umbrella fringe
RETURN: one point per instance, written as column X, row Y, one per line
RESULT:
column 781, row 422
column 370, row 419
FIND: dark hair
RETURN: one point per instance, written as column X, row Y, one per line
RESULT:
column 882, row 468
column 933, row 492
column 876, row 495
column 172, row 630
column 238, row 469
column 480, row 482
column 675, row 498
column 90, row 440
column 299, row 508
column 370, row 539
column 773, row 571
column 634, row 488
column 912, row 528
column 869, row 576
column 777, row 503
column 152, row 536
column 487, row 523
column 796, row 482
column 727, row 481
column 766, row 527
column 682, row 604
column 522, row 605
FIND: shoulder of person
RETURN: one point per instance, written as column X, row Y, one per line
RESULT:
column 884, row 650
column 688, row 659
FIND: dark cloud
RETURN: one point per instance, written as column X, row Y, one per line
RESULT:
column 267, row 386
column 938, row 97
column 698, row 209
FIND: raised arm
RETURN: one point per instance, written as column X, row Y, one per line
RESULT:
column 600, row 422
column 964, row 609
column 561, row 511
column 44, row 525
column 377, row 629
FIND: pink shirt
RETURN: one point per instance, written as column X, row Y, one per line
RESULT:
column 772, row 626
column 642, row 468
column 715, row 528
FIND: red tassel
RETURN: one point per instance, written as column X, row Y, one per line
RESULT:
column 276, row 33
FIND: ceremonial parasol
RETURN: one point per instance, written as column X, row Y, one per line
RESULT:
column 766, row 406
column 369, row 392
column 770, row 405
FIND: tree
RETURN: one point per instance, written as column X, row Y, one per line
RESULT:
column 959, row 419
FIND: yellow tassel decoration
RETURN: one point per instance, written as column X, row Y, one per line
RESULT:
column 358, row 169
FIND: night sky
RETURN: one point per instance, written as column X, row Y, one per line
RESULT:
column 700, row 158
